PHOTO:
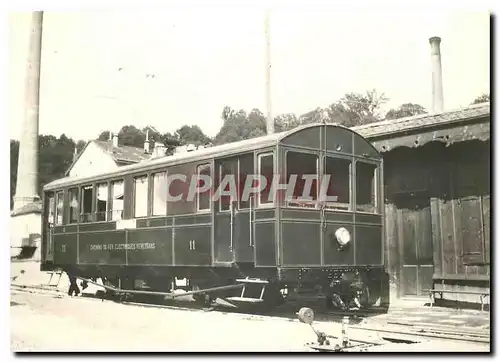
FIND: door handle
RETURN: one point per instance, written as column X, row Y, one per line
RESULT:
column 194, row 244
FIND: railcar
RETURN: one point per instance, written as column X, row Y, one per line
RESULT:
column 310, row 219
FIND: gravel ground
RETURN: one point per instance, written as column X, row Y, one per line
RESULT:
column 47, row 322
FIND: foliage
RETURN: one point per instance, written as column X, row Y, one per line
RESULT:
column 405, row 110
column 482, row 98
column 355, row 109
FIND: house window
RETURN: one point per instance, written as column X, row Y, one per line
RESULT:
column 203, row 198
column 338, row 189
column 73, row 206
column 366, row 187
column 102, row 202
column 266, row 171
column 160, row 194
column 303, row 166
column 86, row 204
column 59, row 207
column 141, row 196
column 117, row 200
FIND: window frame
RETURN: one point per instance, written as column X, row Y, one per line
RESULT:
column 289, row 204
column 209, row 209
column 152, row 182
column 376, row 186
column 350, row 204
column 112, row 182
column 96, row 194
column 269, row 204
column 82, row 203
column 134, row 178
column 56, row 202
column 70, row 222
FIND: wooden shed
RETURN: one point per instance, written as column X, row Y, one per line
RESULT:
column 437, row 190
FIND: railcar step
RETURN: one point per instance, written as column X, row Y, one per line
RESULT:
column 245, row 300
column 252, row 281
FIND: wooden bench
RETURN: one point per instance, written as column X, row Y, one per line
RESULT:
column 433, row 292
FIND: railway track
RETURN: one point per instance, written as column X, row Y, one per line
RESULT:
column 397, row 331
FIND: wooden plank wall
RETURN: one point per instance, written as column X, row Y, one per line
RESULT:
column 441, row 196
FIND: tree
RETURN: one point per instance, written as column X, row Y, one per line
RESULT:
column 286, row 122
column 104, row 136
column 240, row 126
column 405, row 110
column 356, row 109
column 131, row 136
column 483, row 98
column 192, row 134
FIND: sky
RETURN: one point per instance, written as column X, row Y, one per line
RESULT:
column 204, row 58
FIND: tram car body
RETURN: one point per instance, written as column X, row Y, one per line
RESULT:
column 122, row 226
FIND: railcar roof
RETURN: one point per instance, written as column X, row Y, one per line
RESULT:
column 205, row 153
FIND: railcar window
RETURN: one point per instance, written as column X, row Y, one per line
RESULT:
column 59, row 207
column 117, row 200
column 160, row 194
column 366, row 187
column 338, row 190
column 227, row 170
column 52, row 210
column 305, row 167
column 86, row 204
column 203, row 198
column 266, row 170
column 73, row 206
column 245, row 169
column 141, row 196
column 102, row 202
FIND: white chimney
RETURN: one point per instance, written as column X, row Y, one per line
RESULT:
column 146, row 142
column 75, row 154
column 437, row 76
column 115, row 140
column 159, row 150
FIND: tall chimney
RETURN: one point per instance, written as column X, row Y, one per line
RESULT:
column 270, row 121
column 437, row 76
column 146, row 142
column 27, row 172
column 115, row 139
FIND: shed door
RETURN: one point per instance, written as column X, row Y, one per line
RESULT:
column 415, row 240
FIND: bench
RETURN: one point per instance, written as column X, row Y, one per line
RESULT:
column 433, row 292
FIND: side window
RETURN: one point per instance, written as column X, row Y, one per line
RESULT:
column 366, row 191
column 338, row 190
column 141, row 196
column 102, row 202
column 266, row 171
column 227, row 172
column 52, row 209
column 59, row 208
column 73, row 205
column 305, row 167
column 245, row 169
column 86, row 203
column 117, row 200
column 203, row 198
column 160, row 194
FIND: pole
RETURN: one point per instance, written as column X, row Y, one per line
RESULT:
column 270, row 121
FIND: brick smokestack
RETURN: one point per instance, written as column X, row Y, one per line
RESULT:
column 437, row 76
column 27, row 173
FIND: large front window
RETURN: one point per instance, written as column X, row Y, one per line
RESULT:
column 337, row 177
column 303, row 167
